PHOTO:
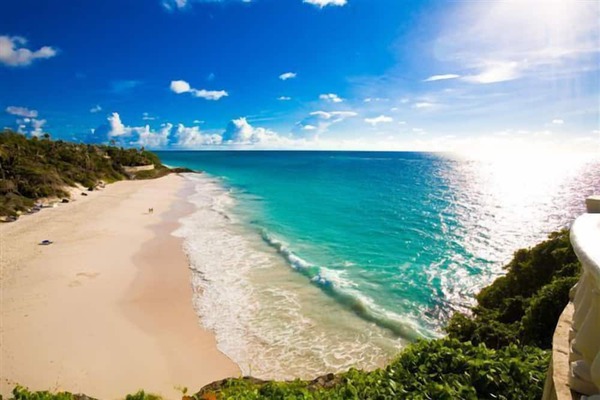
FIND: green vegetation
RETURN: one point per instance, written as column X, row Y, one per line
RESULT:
column 21, row 393
column 35, row 168
column 434, row 369
column 523, row 306
column 500, row 352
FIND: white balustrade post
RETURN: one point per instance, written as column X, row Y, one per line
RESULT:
column 584, row 356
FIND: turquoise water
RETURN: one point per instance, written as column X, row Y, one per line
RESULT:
column 391, row 243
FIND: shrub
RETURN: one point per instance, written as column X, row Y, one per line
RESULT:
column 544, row 310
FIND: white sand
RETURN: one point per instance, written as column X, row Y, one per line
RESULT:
column 105, row 310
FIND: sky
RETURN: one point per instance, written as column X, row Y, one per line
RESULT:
column 474, row 76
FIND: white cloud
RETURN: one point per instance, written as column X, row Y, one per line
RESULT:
column 95, row 109
column 192, row 137
column 180, row 87
column 423, row 105
column 126, row 135
column 209, row 94
column 372, row 99
column 496, row 72
column 331, row 97
column 378, row 120
column 116, row 126
column 171, row 4
column 155, row 140
column 31, row 126
column 441, row 77
column 22, row 111
column 324, row 3
column 284, row 98
column 558, row 121
column 147, row 117
column 239, row 131
column 184, row 87
column 37, row 125
column 319, row 121
column 14, row 54
column 287, row 75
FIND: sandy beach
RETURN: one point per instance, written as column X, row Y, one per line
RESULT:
column 107, row 308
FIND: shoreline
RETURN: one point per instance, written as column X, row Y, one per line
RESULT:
column 94, row 312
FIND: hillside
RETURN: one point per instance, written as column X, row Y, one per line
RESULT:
column 35, row 168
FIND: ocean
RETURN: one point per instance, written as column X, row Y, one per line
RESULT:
column 311, row 262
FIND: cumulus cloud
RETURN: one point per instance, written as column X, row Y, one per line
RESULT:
column 324, row 3
column 193, row 138
column 287, row 75
column 180, row 87
column 116, row 126
column 127, row 135
column 239, row 131
column 95, row 109
column 14, row 53
column 147, row 138
column 331, row 97
column 378, row 120
column 30, row 126
column 441, row 77
column 22, row 111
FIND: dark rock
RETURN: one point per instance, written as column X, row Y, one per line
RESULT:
column 180, row 170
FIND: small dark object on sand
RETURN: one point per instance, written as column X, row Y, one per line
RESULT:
column 83, row 194
column 46, row 242
column 64, row 201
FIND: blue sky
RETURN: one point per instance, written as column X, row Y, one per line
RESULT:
column 313, row 74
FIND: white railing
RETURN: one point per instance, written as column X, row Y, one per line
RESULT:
column 584, row 335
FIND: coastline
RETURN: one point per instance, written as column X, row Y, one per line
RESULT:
column 107, row 309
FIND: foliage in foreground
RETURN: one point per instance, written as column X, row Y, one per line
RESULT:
column 432, row 369
column 34, row 168
column 21, row 393
column 523, row 306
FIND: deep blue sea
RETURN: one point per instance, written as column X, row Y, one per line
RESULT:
column 310, row 262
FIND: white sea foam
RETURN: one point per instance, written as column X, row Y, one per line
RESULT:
column 271, row 321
